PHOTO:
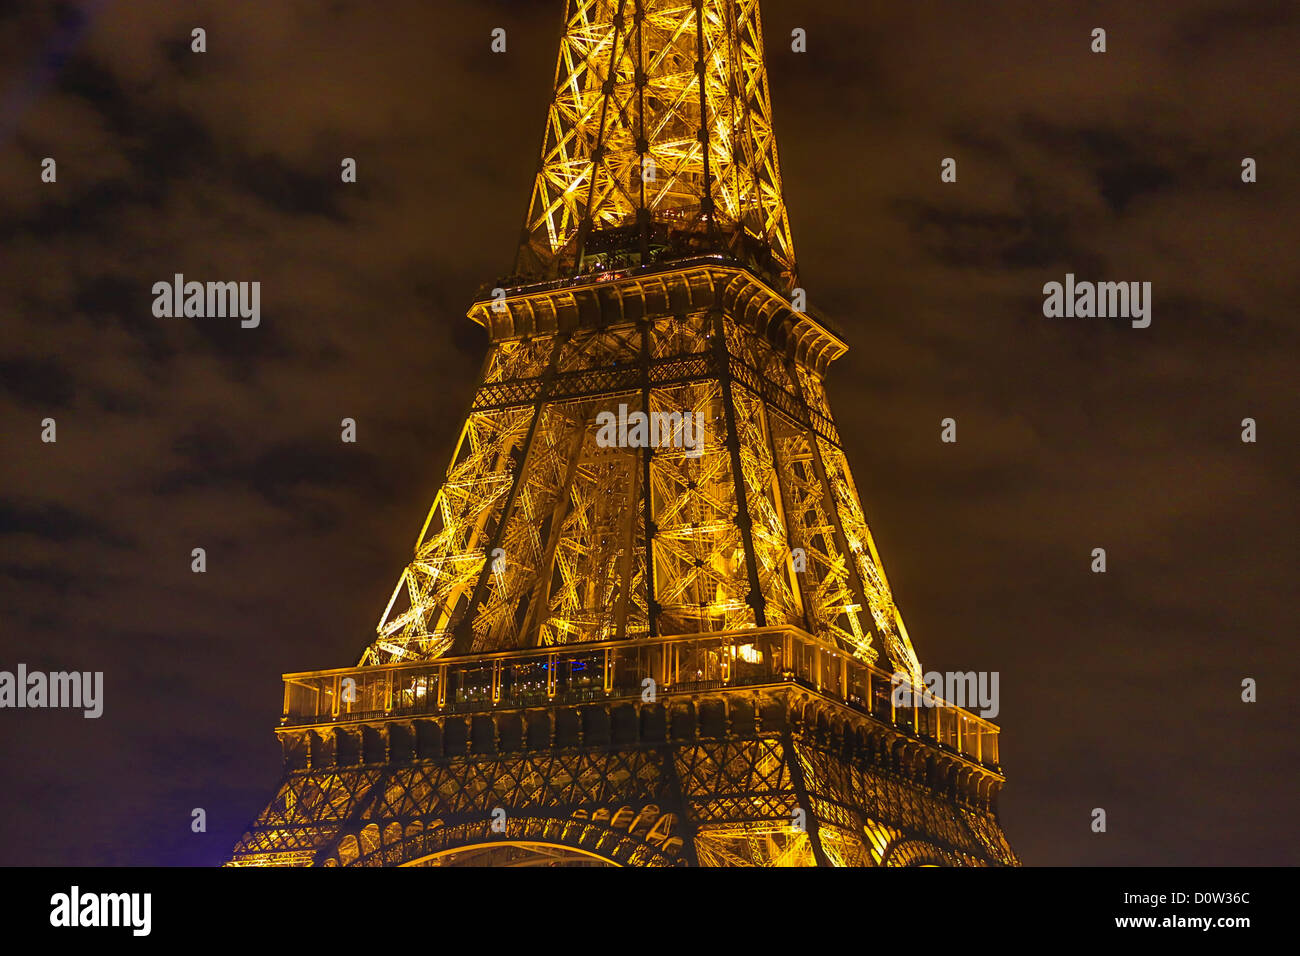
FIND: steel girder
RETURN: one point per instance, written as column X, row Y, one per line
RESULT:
column 770, row 778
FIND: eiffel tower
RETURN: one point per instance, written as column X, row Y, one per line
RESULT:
column 645, row 618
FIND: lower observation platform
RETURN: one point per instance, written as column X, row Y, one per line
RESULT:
column 765, row 746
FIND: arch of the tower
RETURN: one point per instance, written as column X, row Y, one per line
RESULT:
column 513, row 854
column 909, row 852
column 621, row 837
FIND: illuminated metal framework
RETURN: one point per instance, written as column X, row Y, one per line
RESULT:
column 658, row 142
column 613, row 654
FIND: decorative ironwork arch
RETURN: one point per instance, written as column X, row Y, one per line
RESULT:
column 513, row 853
column 917, row 853
column 616, row 840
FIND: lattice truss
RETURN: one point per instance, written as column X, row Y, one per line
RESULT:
column 540, row 535
column 834, row 467
column 658, row 147
column 661, row 117
column 729, row 802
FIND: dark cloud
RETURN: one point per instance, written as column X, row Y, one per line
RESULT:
column 42, row 383
column 1028, row 237
column 54, row 523
column 1214, row 26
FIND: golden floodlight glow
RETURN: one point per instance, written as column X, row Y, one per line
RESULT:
column 636, row 654
column 661, row 116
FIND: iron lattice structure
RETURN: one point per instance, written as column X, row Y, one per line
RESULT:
column 658, row 142
column 670, row 652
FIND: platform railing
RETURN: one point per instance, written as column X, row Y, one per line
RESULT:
column 578, row 673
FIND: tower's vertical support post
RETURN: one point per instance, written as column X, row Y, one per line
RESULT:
column 701, row 68
column 782, row 502
column 647, row 483
column 800, row 787
column 464, row 629
column 755, row 597
column 856, row 584
column 625, row 564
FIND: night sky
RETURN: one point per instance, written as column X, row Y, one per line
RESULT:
column 1119, row 690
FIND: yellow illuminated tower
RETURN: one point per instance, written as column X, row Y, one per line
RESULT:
column 645, row 622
